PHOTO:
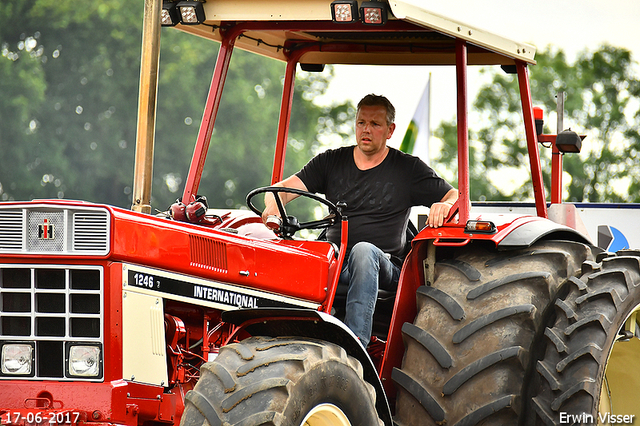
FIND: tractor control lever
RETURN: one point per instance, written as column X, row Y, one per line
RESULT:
column 274, row 222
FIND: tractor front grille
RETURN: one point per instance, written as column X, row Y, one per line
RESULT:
column 42, row 229
column 51, row 308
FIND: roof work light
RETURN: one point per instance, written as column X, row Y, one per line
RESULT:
column 169, row 15
column 191, row 12
column 344, row 11
column 370, row 12
column 373, row 12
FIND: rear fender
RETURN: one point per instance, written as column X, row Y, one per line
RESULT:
column 316, row 325
column 530, row 232
column 511, row 232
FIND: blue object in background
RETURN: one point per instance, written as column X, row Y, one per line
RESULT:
column 611, row 239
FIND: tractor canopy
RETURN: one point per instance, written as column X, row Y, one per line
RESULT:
column 317, row 32
column 408, row 34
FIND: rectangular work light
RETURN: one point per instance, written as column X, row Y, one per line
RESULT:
column 344, row 11
column 373, row 12
column 169, row 15
column 191, row 12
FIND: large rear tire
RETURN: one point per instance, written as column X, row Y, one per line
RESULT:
column 470, row 353
column 281, row 382
column 589, row 369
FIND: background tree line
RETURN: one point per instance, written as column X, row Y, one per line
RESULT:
column 68, row 105
column 602, row 99
column 68, row 102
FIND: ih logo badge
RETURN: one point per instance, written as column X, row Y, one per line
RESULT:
column 45, row 231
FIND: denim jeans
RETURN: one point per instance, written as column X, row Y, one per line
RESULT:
column 367, row 269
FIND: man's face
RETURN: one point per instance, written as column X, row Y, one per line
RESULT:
column 372, row 130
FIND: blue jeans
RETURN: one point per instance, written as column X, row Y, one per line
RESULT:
column 366, row 270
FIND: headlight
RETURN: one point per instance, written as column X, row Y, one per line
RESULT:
column 84, row 361
column 17, row 359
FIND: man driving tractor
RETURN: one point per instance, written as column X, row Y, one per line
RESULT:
column 379, row 185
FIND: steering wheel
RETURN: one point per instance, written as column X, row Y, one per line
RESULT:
column 290, row 224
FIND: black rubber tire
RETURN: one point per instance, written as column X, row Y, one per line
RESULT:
column 588, row 322
column 267, row 381
column 468, row 358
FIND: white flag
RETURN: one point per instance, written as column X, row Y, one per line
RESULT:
column 416, row 138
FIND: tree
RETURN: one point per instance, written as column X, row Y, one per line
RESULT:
column 85, row 64
column 69, row 79
column 22, row 90
column 602, row 94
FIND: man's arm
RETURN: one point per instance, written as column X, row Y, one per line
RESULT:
column 271, row 208
column 439, row 211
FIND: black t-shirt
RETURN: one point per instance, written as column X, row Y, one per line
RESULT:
column 378, row 199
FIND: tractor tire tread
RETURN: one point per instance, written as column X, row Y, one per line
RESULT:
column 580, row 338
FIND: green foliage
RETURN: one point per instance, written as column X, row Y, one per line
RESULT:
column 602, row 100
column 69, row 80
column 71, row 139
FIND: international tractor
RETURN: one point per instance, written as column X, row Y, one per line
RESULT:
column 204, row 317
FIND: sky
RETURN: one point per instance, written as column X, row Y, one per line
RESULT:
column 571, row 25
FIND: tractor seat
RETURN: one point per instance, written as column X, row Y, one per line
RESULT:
column 385, row 300
column 341, row 293
column 381, row 315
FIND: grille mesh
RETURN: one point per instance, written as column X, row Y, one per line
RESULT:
column 90, row 231
column 46, row 231
column 11, row 230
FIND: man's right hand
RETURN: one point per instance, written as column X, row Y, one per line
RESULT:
column 271, row 208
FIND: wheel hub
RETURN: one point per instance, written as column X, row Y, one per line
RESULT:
column 326, row 415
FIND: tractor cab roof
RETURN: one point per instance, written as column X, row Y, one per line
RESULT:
column 410, row 36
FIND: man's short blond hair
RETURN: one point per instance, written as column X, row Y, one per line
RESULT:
column 378, row 100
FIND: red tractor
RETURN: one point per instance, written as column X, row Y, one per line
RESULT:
column 110, row 316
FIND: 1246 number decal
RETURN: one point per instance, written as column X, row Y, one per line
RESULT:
column 143, row 280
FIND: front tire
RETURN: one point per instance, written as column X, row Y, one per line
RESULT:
column 281, row 382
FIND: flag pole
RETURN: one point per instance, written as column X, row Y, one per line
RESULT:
column 428, row 150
